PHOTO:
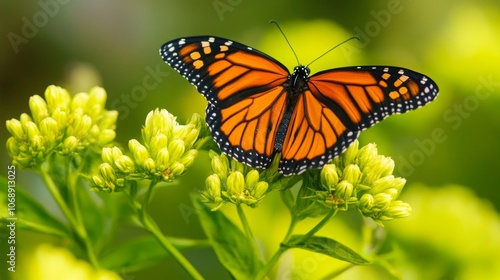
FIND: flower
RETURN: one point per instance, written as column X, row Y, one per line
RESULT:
column 166, row 152
column 47, row 262
column 363, row 179
column 61, row 124
column 232, row 182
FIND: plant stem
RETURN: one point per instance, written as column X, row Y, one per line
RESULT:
column 244, row 222
column 76, row 224
column 320, row 225
column 265, row 270
column 270, row 264
column 153, row 228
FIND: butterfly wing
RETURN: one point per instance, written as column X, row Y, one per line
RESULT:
column 340, row 103
column 244, row 89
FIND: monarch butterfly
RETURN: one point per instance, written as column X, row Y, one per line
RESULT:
column 257, row 109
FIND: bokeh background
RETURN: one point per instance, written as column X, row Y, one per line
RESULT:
column 448, row 150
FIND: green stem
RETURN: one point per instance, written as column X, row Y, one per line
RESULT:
column 270, row 264
column 153, row 228
column 244, row 222
column 148, row 197
column 75, row 222
column 320, row 225
column 293, row 223
column 265, row 270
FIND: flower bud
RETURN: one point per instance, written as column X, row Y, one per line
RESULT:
column 139, row 152
column 70, row 145
column 189, row 157
column 260, row 190
column 251, row 179
column 158, row 142
column 107, row 155
column 344, row 190
column 106, row 136
column 237, row 166
column 107, row 172
column 108, row 120
column 149, row 166
column 162, row 158
column 386, row 165
column 97, row 96
column 12, row 147
column 98, row 181
column 80, row 101
column 213, row 187
column 352, row 173
column 176, row 149
column 220, row 166
column 176, row 169
column 366, row 154
column 31, row 129
column 37, row 144
column 57, row 97
column 38, row 108
column 381, row 201
column 350, row 153
column 48, row 127
column 125, row 164
column 366, row 203
column 191, row 137
column 81, row 126
column 397, row 209
column 16, row 129
column 235, row 184
column 117, row 152
column 329, row 176
column 61, row 118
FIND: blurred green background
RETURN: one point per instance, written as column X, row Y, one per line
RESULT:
column 448, row 150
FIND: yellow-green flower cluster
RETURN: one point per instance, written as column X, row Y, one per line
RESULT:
column 47, row 262
column 362, row 178
column 167, row 152
column 60, row 124
column 232, row 182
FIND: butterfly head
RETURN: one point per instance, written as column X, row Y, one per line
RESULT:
column 297, row 82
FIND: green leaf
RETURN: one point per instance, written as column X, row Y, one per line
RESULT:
column 305, row 206
column 29, row 213
column 326, row 246
column 233, row 249
column 144, row 252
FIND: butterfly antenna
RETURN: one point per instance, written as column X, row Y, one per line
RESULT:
column 352, row 38
column 288, row 42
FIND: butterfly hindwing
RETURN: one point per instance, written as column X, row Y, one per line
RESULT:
column 340, row 103
column 244, row 89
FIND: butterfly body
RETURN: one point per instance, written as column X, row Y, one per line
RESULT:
column 257, row 109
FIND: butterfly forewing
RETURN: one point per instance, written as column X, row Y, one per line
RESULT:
column 244, row 88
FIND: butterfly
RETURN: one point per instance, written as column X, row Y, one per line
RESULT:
column 257, row 109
